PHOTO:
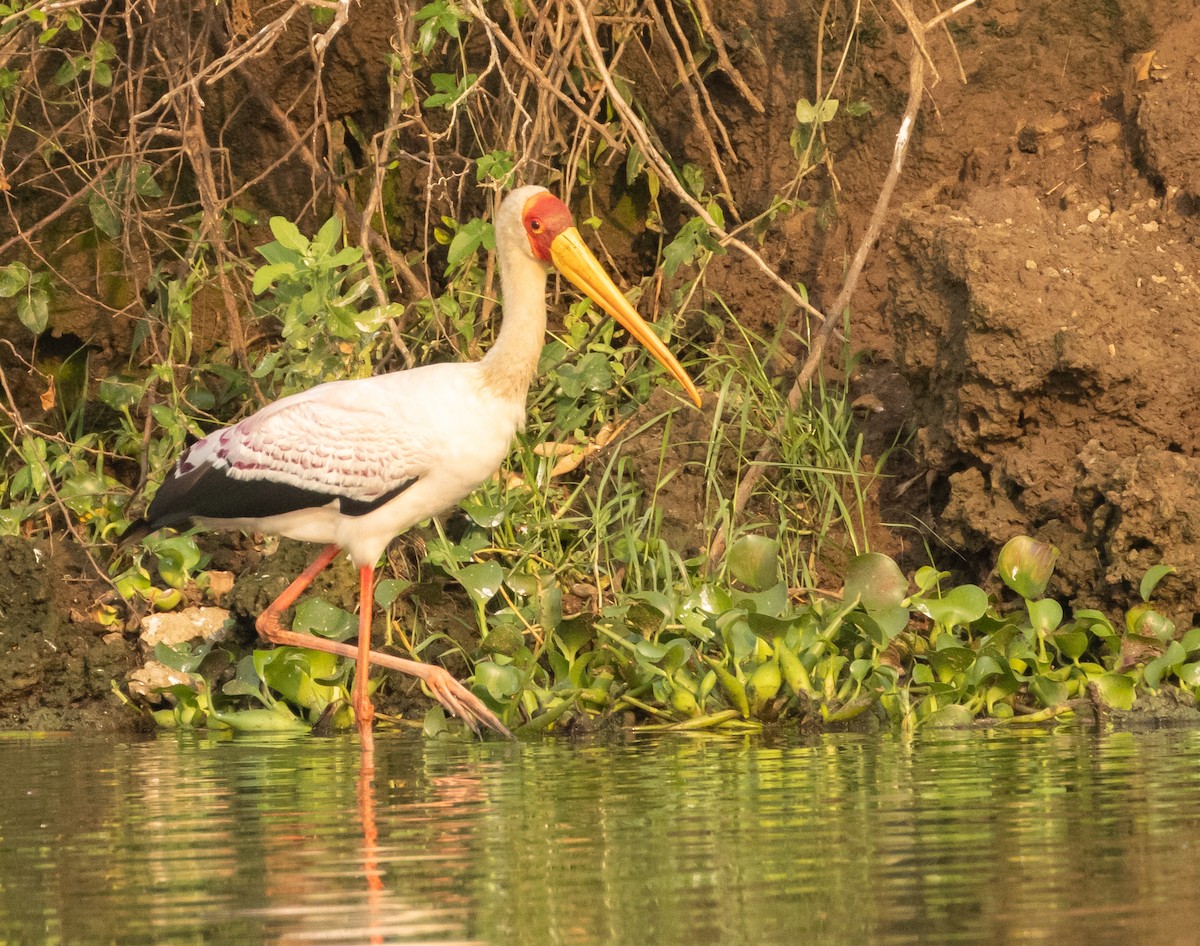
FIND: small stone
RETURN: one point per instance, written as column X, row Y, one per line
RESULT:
column 1093, row 215
column 1151, row 227
column 145, row 683
column 175, row 627
column 1030, row 264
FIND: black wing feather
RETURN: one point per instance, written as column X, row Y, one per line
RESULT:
column 209, row 492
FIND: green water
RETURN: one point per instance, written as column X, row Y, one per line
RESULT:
column 1046, row 837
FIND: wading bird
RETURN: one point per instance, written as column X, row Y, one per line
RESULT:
column 351, row 464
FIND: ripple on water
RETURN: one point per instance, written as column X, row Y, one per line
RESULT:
column 1052, row 837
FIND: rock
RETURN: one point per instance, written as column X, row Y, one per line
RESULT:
column 145, row 683
column 175, row 627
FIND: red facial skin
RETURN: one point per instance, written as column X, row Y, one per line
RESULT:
column 544, row 217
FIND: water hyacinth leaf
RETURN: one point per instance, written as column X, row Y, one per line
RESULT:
column 1049, row 692
column 876, row 581
column 572, row 635
column 740, row 640
column 656, row 600
column 435, row 722
column 317, row 616
column 1171, row 658
column 1189, row 674
column 1115, row 690
column 481, row 580
column 484, row 515
column 1144, row 621
column 1191, row 640
column 389, row 589
column 764, row 684
column 650, row 651
column 1152, row 577
column 927, row 577
column 951, row 661
column 954, row 716
column 772, row 602
column 733, row 689
column 1025, row 565
column 550, row 608
column 182, row 657
column 1071, row 643
column 294, row 675
column 710, row 599
column 984, row 669
column 960, row 606
column 1045, row 615
column 277, row 719
column 522, row 583
column 679, row 652
column 176, row 557
column 500, row 681
column 754, row 561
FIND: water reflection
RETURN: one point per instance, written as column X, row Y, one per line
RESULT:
column 1063, row 837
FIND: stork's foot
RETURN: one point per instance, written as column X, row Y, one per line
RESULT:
column 446, row 690
column 459, row 700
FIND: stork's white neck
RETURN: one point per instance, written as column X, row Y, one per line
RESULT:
column 509, row 367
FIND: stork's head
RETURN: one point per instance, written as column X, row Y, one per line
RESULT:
column 550, row 234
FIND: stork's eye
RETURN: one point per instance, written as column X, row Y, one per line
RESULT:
column 535, row 226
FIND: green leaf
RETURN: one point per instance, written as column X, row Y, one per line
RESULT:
column 293, row 674
column 948, row 662
column 13, row 278
column 754, row 561
column 500, row 681
column 876, row 581
column 104, row 214
column 389, row 589
column 481, row 580
column 327, row 236
column 265, row 276
column 1189, row 674
column 1116, row 690
column 1025, row 565
column 182, row 657
column 1143, row 620
column 1045, row 615
column 33, row 309
column 279, row 719
column 318, row 616
column 1152, row 577
column 1072, row 643
column 144, row 184
column 1049, row 692
column 1191, row 640
column 1154, row 670
column 809, row 114
column 288, row 235
column 954, row 716
column 961, row 606
column 470, row 237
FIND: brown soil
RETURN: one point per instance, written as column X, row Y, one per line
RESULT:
column 1029, row 312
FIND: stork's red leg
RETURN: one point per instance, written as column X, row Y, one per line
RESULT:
column 364, row 712
column 448, row 691
column 268, row 621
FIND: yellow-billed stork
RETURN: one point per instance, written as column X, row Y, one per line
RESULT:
column 350, row 464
